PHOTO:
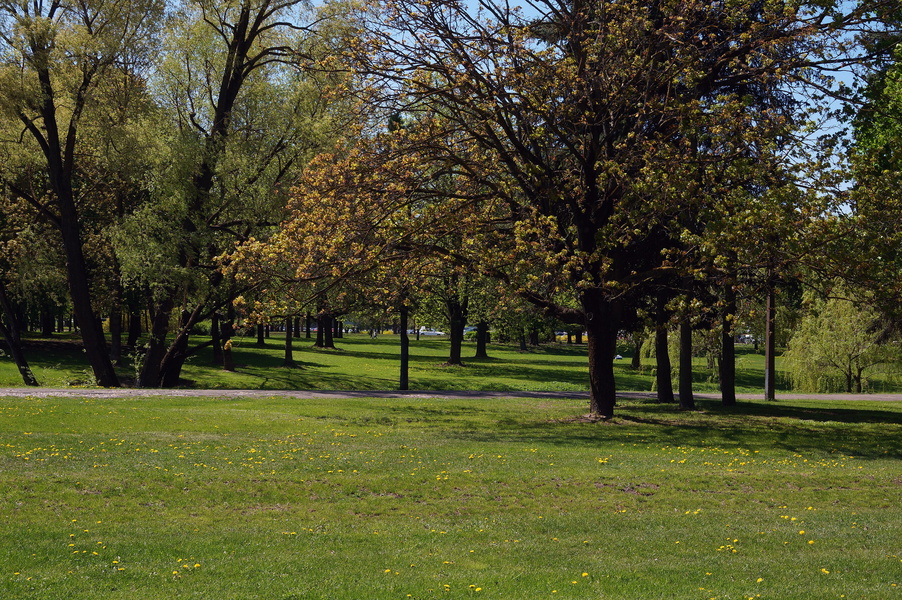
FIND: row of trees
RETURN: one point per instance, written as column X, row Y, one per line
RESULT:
column 615, row 165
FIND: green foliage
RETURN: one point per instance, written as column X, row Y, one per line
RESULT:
column 838, row 342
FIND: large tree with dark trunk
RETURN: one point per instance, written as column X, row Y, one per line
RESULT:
column 594, row 124
column 55, row 56
column 245, row 115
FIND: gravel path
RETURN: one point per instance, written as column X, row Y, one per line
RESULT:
column 42, row 392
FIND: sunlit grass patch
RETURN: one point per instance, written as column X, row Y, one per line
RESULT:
column 424, row 498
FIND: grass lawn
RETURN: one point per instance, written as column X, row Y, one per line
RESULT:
column 361, row 363
column 274, row 498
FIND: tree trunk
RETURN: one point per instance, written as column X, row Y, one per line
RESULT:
column 728, row 349
column 636, row 362
column 602, row 324
column 216, row 339
column 770, row 343
column 227, row 329
column 523, row 347
column 663, row 368
column 116, row 327
column 261, row 335
column 47, row 321
column 403, row 382
column 289, row 350
column 687, row 399
column 134, row 324
column 482, row 334
column 457, row 320
column 150, row 375
column 324, row 338
column 176, row 354
column 309, row 320
column 80, row 293
column 15, row 346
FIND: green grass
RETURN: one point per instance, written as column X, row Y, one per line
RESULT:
column 361, row 363
column 422, row 498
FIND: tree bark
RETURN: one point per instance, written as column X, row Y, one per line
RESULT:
column 150, row 375
column 216, row 339
column 663, row 368
column 770, row 342
column 116, row 326
column 14, row 344
column 687, row 399
column 289, row 350
column 324, row 338
column 482, row 334
column 176, row 354
column 227, row 329
column 403, row 382
column 602, row 324
column 728, row 349
column 134, row 324
column 457, row 320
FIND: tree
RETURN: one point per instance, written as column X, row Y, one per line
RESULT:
column 245, row 114
column 838, row 340
column 55, row 54
column 584, row 120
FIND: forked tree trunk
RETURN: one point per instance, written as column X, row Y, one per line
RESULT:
column 150, row 375
column 14, row 344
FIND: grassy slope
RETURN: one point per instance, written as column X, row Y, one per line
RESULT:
column 283, row 499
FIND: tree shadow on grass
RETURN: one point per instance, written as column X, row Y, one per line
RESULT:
column 862, row 433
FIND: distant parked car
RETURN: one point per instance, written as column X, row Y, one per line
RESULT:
column 424, row 331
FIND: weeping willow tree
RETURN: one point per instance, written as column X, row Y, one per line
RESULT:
column 838, row 343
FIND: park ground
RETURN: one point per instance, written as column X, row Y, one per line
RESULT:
column 485, row 482
column 271, row 495
column 362, row 363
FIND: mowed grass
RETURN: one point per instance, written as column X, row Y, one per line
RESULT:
column 277, row 498
column 361, row 363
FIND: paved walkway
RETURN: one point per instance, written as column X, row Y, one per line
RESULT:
column 42, row 392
